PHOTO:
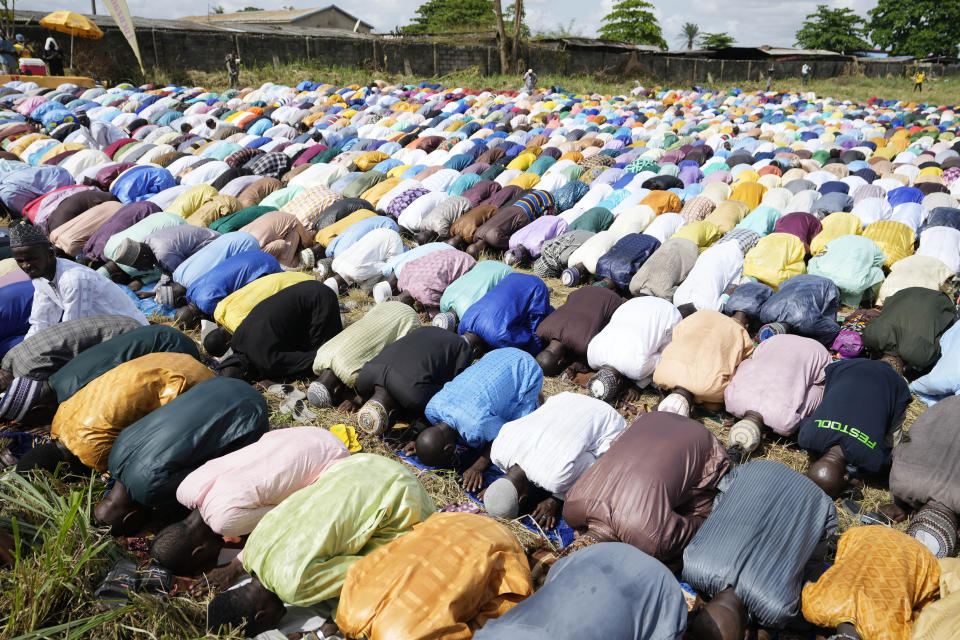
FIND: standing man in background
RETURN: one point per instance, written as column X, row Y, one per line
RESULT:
column 22, row 48
column 529, row 81
column 53, row 56
column 8, row 56
column 918, row 81
column 805, row 74
column 233, row 69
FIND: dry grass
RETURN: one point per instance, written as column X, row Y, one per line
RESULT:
column 184, row 617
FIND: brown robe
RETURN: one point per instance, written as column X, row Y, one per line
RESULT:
column 653, row 488
column 281, row 235
column 586, row 311
column 466, row 225
column 497, row 230
column 254, row 193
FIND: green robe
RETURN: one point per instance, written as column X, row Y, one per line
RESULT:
column 301, row 550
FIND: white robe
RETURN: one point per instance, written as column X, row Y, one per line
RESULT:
column 634, row 338
column 558, row 442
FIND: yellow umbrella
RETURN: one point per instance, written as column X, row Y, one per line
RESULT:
column 72, row 23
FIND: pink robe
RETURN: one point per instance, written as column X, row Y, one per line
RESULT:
column 783, row 382
column 235, row 491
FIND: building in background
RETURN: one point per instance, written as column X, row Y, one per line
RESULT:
column 329, row 17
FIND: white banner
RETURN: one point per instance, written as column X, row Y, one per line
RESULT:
column 121, row 15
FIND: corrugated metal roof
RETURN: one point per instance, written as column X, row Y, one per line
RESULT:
column 788, row 51
column 33, row 17
column 595, row 43
column 245, row 16
column 773, row 52
column 896, row 59
column 277, row 16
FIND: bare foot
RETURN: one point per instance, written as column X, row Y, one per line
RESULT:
column 350, row 405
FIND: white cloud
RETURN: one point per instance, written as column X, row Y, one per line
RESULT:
column 751, row 23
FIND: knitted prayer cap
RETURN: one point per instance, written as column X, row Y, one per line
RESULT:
column 373, row 417
column 936, row 530
column 127, row 252
column 319, row 395
column 18, row 399
column 446, row 320
column 745, row 433
column 307, row 258
column 26, row 234
column 772, row 329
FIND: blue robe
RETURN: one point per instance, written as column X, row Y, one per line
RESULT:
column 237, row 271
column 356, row 231
column 608, row 590
column 16, row 301
column 625, row 258
column 508, row 314
column 204, row 260
column 503, row 385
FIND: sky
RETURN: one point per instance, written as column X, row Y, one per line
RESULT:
column 772, row 22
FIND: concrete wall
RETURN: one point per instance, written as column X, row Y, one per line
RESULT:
column 111, row 59
column 879, row 69
column 695, row 70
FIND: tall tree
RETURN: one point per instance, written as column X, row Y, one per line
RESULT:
column 720, row 40
column 633, row 21
column 452, row 16
column 689, row 33
column 501, row 38
column 916, row 28
column 832, row 29
column 517, row 24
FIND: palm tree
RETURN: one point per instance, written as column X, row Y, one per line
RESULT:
column 689, row 32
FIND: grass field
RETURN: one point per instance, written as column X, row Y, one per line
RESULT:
column 49, row 594
column 944, row 91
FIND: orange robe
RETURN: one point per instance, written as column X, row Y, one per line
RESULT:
column 89, row 422
column 444, row 579
column 879, row 582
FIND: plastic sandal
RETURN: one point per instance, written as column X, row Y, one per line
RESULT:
column 856, row 510
column 114, row 593
column 155, row 580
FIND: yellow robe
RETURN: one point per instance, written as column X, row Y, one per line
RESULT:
column 231, row 311
column 879, row 582
column 445, row 579
column 89, row 422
